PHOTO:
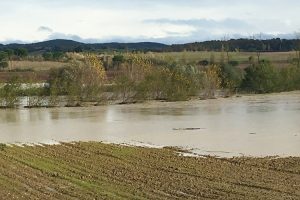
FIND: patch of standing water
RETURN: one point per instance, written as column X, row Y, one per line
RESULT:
column 253, row 125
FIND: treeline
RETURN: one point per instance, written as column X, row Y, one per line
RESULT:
column 246, row 45
column 20, row 54
column 8, row 55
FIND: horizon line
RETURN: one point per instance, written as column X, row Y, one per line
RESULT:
column 137, row 42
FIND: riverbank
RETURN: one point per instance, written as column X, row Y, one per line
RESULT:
column 42, row 102
column 106, row 171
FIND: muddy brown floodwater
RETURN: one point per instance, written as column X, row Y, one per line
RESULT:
column 252, row 125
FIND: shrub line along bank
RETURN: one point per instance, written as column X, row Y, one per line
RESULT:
column 140, row 78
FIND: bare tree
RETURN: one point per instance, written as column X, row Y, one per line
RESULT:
column 225, row 47
column 297, row 49
column 261, row 48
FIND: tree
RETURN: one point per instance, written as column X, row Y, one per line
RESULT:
column 54, row 92
column 9, row 93
column 211, row 80
column 10, row 54
column 78, row 49
column 212, row 59
column 155, row 85
column 261, row 47
column 47, row 56
column 171, row 83
column 289, row 78
column 3, row 64
column 225, row 47
column 3, row 60
column 124, row 88
column 203, row 62
column 57, row 55
column 231, row 76
column 94, row 77
column 136, row 67
column 21, row 52
column 35, row 94
column 3, row 55
column 298, row 49
column 117, row 60
column 81, row 81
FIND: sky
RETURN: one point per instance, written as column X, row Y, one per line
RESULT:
column 165, row 21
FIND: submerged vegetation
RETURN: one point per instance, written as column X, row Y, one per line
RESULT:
column 130, row 77
column 9, row 93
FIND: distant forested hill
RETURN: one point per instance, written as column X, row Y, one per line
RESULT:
column 215, row 45
column 70, row 45
column 248, row 45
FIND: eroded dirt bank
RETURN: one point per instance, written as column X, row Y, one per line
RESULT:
column 105, row 171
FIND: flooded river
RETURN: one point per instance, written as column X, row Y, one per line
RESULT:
column 254, row 125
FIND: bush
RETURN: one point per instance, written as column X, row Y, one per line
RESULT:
column 2, row 146
column 233, row 63
column 180, row 85
column 118, row 59
column 53, row 56
column 57, row 55
column 211, row 80
column 35, row 93
column 154, row 84
column 125, row 89
column 3, row 59
column 289, row 78
column 9, row 94
column 3, row 64
column 231, row 76
column 21, row 52
column 47, row 56
column 3, row 55
column 81, row 81
column 261, row 78
column 172, row 83
column 203, row 62
column 35, row 97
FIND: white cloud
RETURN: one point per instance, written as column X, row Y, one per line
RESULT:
column 45, row 29
column 138, row 20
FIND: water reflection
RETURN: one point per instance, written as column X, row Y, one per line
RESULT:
column 172, row 111
column 9, row 116
column 261, row 108
column 54, row 115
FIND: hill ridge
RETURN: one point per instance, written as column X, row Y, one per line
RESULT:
column 272, row 45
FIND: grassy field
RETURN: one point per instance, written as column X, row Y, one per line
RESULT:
column 35, row 65
column 40, row 76
column 189, row 57
column 242, row 57
column 23, row 68
column 26, row 69
column 103, row 171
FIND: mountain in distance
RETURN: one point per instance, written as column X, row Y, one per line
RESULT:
column 70, row 45
column 246, row 45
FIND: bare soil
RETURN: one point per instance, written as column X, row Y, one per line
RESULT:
column 95, row 170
